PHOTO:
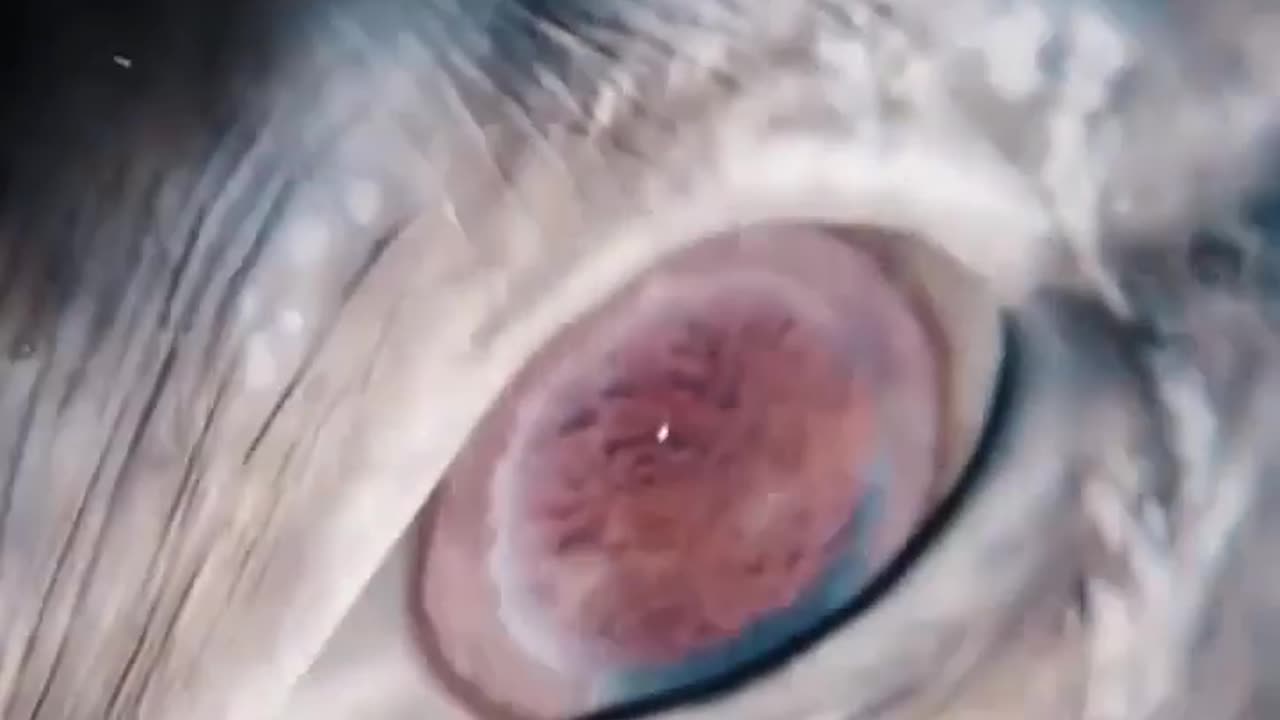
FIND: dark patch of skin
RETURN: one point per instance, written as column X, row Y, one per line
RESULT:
column 152, row 519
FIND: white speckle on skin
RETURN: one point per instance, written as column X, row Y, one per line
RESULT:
column 1012, row 42
column 292, row 321
column 605, row 108
column 364, row 201
column 307, row 238
column 664, row 432
column 260, row 367
column 1101, row 54
column 451, row 213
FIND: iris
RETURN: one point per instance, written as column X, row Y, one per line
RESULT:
column 703, row 472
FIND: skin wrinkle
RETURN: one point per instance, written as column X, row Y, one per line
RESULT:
column 177, row 514
column 126, row 465
column 77, row 373
column 220, row 535
column 66, row 574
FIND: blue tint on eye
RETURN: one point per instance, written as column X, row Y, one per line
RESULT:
column 840, row 585
column 1262, row 211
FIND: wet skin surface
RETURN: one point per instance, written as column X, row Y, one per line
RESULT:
column 263, row 267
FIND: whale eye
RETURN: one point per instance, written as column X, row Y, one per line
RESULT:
column 706, row 471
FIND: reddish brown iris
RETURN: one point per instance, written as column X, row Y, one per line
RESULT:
column 679, row 480
column 697, row 475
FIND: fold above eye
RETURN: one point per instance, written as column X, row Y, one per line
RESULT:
column 709, row 467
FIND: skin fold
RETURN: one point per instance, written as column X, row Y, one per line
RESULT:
column 264, row 265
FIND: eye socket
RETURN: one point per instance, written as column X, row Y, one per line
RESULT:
column 704, row 470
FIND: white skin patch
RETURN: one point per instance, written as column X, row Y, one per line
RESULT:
column 292, row 322
column 308, row 239
column 364, row 201
column 1013, row 67
column 260, row 363
column 267, row 348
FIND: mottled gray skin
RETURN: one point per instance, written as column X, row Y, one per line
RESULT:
column 262, row 265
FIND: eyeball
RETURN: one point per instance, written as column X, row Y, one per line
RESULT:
column 710, row 465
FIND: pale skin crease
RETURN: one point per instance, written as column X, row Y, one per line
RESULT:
column 263, row 271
